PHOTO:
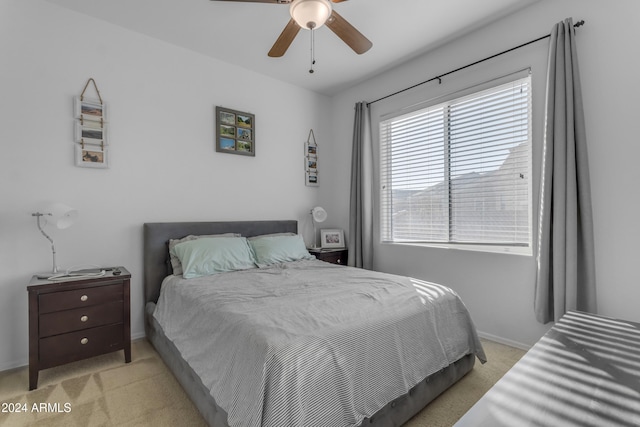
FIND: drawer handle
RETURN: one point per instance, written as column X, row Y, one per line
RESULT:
column 84, row 298
column 84, row 340
column 84, row 318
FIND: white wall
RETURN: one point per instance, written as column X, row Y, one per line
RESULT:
column 498, row 289
column 161, row 102
column 164, row 167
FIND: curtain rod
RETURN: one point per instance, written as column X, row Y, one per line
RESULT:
column 439, row 77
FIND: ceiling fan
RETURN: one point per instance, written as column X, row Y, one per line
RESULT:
column 311, row 15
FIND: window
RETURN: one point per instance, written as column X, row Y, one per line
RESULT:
column 458, row 172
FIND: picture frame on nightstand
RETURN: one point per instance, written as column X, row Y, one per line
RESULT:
column 331, row 238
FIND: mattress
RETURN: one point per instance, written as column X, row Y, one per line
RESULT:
column 309, row 343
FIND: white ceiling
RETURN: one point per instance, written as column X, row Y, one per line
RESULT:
column 242, row 33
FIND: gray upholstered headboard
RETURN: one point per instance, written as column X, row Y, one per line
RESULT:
column 157, row 235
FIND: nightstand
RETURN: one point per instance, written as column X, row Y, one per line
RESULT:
column 74, row 319
column 334, row 256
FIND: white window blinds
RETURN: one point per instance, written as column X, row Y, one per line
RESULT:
column 458, row 172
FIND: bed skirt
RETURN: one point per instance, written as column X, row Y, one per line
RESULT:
column 394, row 414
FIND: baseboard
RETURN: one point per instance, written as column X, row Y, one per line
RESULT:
column 12, row 365
column 138, row 335
column 504, row 341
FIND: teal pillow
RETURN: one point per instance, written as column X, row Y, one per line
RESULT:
column 276, row 249
column 206, row 256
column 176, row 266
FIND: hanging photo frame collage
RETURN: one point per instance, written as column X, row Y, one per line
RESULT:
column 90, row 130
column 311, row 160
column 235, row 132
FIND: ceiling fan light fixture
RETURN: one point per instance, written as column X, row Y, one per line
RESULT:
column 310, row 14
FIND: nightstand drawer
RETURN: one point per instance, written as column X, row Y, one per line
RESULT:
column 332, row 257
column 335, row 256
column 79, row 345
column 66, row 300
column 80, row 318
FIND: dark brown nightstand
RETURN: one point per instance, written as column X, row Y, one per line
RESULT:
column 74, row 319
column 334, row 256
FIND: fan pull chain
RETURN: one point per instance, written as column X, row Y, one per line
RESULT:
column 313, row 56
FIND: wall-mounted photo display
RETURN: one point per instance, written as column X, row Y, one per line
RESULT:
column 89, row 109
column 90, row 130
column 91, row 156
column 311, row 160
column 235, row 132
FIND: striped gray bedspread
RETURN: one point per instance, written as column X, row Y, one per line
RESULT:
column 309, row 343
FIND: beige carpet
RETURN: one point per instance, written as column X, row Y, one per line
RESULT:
column 104, row 391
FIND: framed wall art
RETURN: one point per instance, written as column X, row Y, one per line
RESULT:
column 91, row 156
column 90, row 132
column 235, row 132
column 89, row 109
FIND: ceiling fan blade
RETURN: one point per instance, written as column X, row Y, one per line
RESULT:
column 348, row 33
column 272, row 1
column 260, row 1
column 284, row 40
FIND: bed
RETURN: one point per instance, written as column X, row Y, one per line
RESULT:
column 304, row 363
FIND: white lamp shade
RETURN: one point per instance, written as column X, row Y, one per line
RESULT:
column 318, row 214
column 310, row 14
column 61, row 215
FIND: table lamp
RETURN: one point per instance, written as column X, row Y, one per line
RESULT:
column 318, row 214
column 61, row 216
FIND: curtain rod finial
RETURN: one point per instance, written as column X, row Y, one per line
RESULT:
column 580, row 23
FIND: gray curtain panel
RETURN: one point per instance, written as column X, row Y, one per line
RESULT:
column 565, row 277
column 361, row 204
